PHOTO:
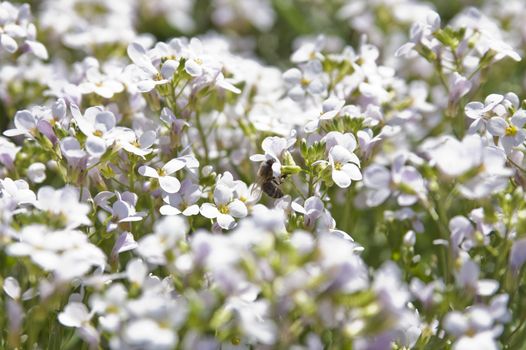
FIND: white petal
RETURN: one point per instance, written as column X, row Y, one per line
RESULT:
column 136, row 271
column 191, row 210
column 137, row 54
column 377, row 176
column 222, row 194
column 169, row 210
column 38, row 49
column 225, row 221
column 169, row 184
column 193, row 68
column 148, row 171
column 341, row 179
column 497, row 126
column 74, row 315
column 209, row 211
column 95, row 146
column 8, row 43
column 353, row 171
column 173, row 166
column 12, row 288
column 237, row 209
column 377, row 197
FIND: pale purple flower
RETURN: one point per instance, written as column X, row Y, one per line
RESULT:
column 517, row 255
column 183, row 201
column 70, row 147
column 8, row 152
column 125, row 242
column 480, row 112
column 122, row 209
column 311, row 210
column 402, row 180
column 459, row 87
column 467, row 279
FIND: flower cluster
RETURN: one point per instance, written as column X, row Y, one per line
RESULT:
column 164, row 192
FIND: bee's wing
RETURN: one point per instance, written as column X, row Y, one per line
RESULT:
column 256, row 192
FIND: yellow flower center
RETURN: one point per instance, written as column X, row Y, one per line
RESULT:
column 136, row 143
column 198, row 61
column 162, row 172
column 223, row 209
column 98, row 133
column 338, row 166
column 511, row 130
column 304, row 82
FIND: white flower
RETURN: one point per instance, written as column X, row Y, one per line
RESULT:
column 141, row 145
column 124, row 243
column 274, row 147
column 168, row 231
column 307, row 81
column 36, row 172
column 182, row 202
column 122, row 210
column 517, row 255
column 17, row 192
column 148, row 334
column 511, row 133
column 479, row 111
column 344, row 166
column 99, row 127
column 311, row 210
column 74, row 154
column 403, row 180
column 67, row 253
column 76, row 315
column 169, row 184
column 12, row 288
column 102, row 84
column 310, row 50
column 455, row 158
column 225, row 208
column 147, row 75
column 64, row 204
column 8, row 152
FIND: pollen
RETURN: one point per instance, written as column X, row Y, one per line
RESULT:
column 304, row 82
column 98, row 133
column 511, row 130
column 223, row 209
column 338, row 166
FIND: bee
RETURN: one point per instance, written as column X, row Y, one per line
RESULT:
column 266, row 180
